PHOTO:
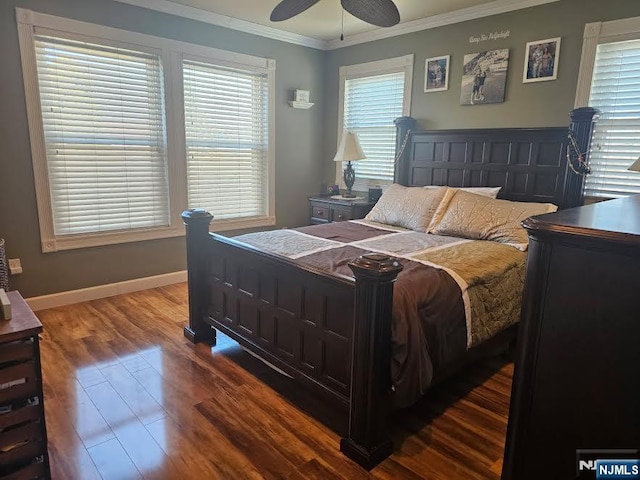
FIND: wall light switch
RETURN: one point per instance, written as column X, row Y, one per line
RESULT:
column 15, row 267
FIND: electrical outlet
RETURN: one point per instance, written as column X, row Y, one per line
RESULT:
column 15, row 267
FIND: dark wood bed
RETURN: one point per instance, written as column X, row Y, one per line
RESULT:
column 333, row 334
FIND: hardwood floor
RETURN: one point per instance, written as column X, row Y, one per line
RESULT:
column 127, row 396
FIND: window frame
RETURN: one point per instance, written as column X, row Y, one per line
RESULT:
column 370, row 69
column 231, row 65
column 597, row 33
column 594, row 34
column 171, row 52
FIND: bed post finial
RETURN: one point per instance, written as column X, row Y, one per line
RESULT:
column 404, row 125
column 368, row 442
column 197, row 222
column 582, row 122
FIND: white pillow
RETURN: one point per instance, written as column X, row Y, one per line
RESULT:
column 491, row 192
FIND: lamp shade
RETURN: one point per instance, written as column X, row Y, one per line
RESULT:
column 349, row 149
column 635, row 167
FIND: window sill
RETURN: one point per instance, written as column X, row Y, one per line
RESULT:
column 241, row 224
column 108, row 238
column 117, row 237
column 113, row 238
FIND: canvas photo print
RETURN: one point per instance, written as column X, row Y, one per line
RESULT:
column 541, row 60
column 484, row 77
column 436, row 74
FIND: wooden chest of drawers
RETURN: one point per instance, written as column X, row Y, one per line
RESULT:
column 327, row 209
column 575, row 385
column 23, row 435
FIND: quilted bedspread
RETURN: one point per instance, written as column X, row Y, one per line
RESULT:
column 452, row 293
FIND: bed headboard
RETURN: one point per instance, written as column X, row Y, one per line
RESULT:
column 530, row 164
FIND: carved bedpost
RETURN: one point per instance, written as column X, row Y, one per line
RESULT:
column 368, row 442
column 403, row 126
column 582, row 121
column 197, row 222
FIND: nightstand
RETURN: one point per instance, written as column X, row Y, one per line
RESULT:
column 327, row 209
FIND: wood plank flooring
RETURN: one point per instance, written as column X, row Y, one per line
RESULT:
column 127, row 396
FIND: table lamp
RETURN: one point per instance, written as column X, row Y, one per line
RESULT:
column 635, row 166
column 349, row 151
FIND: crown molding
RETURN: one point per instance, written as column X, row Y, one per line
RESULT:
column 212, row 18
column 485, row 10
column 471, row 13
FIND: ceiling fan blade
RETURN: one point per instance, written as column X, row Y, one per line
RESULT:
column 382, row 13
column 290, row 8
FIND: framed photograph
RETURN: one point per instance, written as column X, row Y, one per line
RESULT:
column 541, row 60
column 484, row 77
column 436, row 74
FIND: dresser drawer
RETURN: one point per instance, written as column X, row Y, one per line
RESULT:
column 18, row 413
column 339, row 214
column 320, row 213
column 327, row 209
column 37, row 469
column 18, row 463
column 17, row 350
column 18, row 381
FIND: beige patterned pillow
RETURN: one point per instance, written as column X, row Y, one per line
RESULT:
column 408, row 207
column 478, row 217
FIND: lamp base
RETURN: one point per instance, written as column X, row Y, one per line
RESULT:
column 349, row 179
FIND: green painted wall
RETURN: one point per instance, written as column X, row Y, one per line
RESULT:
column 526, row 105
column 299, row 147
column 305, row 139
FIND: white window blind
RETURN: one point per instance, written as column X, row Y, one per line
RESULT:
column 104, row 129
column 226, row 126
column 615, row 91
column 371, row 104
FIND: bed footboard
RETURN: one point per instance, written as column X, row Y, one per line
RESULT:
column 329, row 333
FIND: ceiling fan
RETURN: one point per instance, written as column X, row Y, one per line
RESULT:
column 382, row 13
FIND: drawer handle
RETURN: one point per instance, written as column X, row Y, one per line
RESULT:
column 319, row 213
column 340, row 216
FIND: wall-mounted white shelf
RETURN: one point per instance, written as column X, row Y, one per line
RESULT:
column 303, row 105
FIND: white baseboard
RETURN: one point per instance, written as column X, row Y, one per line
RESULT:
column 102, row 291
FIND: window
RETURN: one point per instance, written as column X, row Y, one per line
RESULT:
column 372, row 96
column 127, row 130
column 226, row 138
column 610, row 81
column 103, row 121
column 615, row 91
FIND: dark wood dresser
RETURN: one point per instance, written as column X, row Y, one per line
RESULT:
column 577, row 374
column 327, row 209
column 23, row 435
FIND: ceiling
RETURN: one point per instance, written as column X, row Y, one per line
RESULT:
column 320, row 26
column 323, row 20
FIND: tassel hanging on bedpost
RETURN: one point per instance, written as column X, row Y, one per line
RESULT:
column 404, row 126
column 197, row 223
column 580, row 131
